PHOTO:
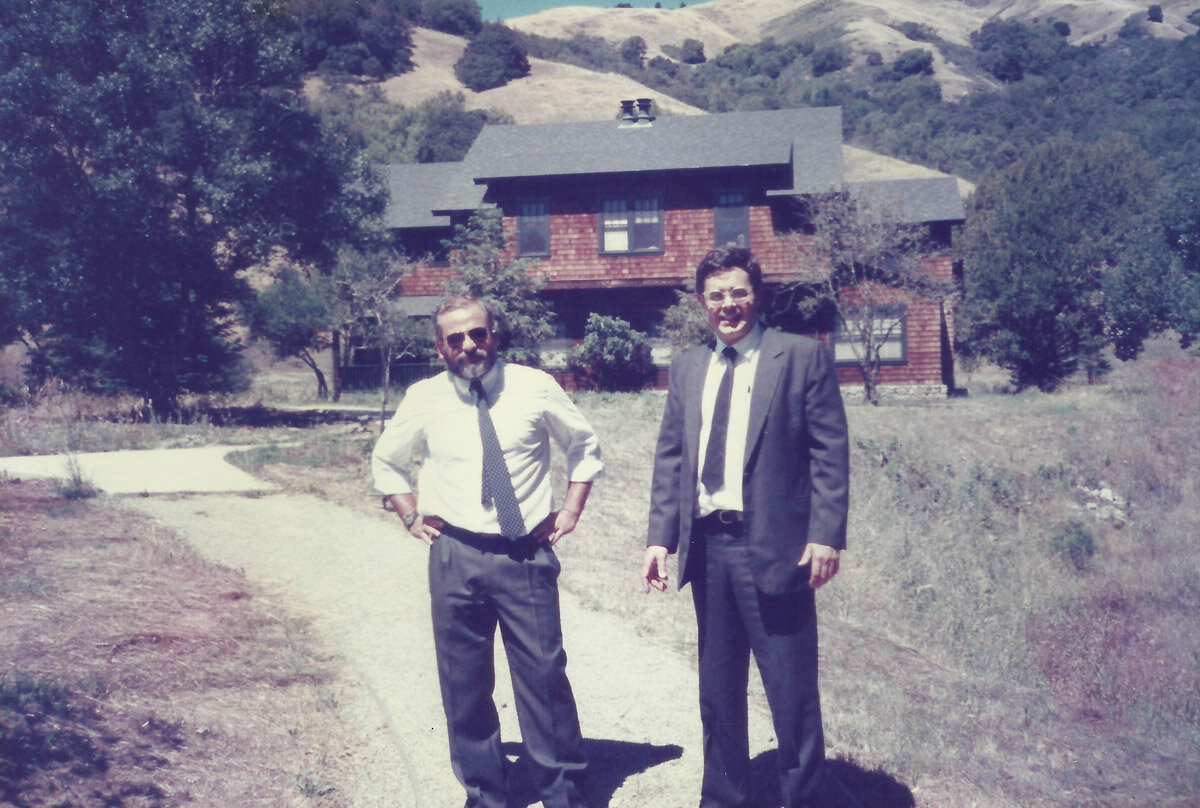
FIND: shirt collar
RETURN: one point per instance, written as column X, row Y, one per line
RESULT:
column 746, row 346
column 490, row 381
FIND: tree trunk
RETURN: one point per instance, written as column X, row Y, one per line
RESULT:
column 335, row 353
column 322, row 388
column 387, row 387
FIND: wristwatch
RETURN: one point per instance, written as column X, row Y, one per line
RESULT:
column 409, row 519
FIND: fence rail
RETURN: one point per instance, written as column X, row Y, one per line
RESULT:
column 370, row 377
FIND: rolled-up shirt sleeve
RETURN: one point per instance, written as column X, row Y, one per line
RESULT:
column 575, row 435
column 394, row 456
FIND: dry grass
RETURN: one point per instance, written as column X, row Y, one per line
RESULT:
column 968, row 657
column 137, row 674
column 1013, row 624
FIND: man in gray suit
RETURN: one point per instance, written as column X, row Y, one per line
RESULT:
column 751, row 490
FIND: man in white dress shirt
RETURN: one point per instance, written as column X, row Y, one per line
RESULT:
column 482, row 432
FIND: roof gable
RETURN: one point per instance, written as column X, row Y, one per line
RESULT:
column 414, row 190
column 681, row 143
column 805, row 143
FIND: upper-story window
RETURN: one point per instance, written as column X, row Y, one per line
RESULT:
column 731, row 220
column 889, row 327
column 533, row 228
column 631, row 225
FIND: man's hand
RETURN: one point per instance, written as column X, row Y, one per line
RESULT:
column 554, row 527
column 564, row 523
column 426, row 529
column 824, row 561
column 654, row 568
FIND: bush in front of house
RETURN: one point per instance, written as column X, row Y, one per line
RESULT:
column 493, row 58
column 613, row 356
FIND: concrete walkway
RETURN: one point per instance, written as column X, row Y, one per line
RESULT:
column 202, row 470
column 362, row 582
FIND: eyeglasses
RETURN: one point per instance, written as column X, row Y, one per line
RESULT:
column 477, row 335
column 738, row 294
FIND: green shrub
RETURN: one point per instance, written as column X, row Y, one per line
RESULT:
column 493, row 58
column 829, row 60
column 612, row 356
column 691, row 52
column 915, row 62
column 685, row 323
column 1075, row 543
column 457, row 17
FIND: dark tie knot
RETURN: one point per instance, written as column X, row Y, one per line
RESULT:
column 731, row 354
column 477, row 390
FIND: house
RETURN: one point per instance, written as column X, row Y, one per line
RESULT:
column 616, row 214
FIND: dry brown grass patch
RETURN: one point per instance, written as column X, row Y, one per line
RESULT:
column 138, row 674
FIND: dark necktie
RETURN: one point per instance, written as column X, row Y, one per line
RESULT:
column 497, row 482
column 713, row 475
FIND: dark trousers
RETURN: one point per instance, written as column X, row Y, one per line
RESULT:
column 475, row 584
column 735, row 619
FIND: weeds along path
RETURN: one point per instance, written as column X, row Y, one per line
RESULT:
column 363, row 584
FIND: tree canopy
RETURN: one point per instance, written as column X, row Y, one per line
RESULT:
column 1063, row 256
column 480, row 271
column 494, row 57
column 362, row 38
column 153, row 152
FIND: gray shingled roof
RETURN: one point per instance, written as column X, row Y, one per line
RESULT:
column 413, row 192
column 809, row 140
column 927, row 199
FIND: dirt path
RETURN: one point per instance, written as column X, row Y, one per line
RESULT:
column 363, row 583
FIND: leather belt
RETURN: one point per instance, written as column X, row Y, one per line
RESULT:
column 722, row 520
column 488, row 542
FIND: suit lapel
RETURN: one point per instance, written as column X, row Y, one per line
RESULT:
column 693, row 389
column 766, row 380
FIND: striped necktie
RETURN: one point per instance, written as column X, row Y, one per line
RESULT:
column 497, row 482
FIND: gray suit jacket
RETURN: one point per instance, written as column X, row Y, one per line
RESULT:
column 795, row 484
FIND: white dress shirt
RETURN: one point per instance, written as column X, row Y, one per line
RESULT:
column 436, row 427
column 729, row 496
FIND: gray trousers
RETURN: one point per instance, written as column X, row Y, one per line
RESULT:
column 477, row 583
column 735, row 619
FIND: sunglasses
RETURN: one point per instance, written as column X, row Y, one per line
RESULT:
column 477, row 335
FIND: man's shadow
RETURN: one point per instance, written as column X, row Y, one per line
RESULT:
column 610, row 764
column 874, row 789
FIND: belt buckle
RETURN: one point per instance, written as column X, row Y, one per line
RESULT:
column 729, row 517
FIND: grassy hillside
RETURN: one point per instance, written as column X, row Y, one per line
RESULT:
column 553, row 92
column 860, row 25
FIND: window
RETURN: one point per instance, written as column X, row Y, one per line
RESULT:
column 888, row 326
column 631, row 225
column 731, row 220
column 533, row 228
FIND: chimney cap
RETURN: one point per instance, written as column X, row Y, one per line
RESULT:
column 638, row 115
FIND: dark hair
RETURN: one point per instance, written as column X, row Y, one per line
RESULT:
column 723, row 258
column 496, row 322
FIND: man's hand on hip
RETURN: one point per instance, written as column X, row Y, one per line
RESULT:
column 824, row 561
column 426, row 529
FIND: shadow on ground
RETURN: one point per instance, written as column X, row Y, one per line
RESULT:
column 874, row 789
column 610, row 764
